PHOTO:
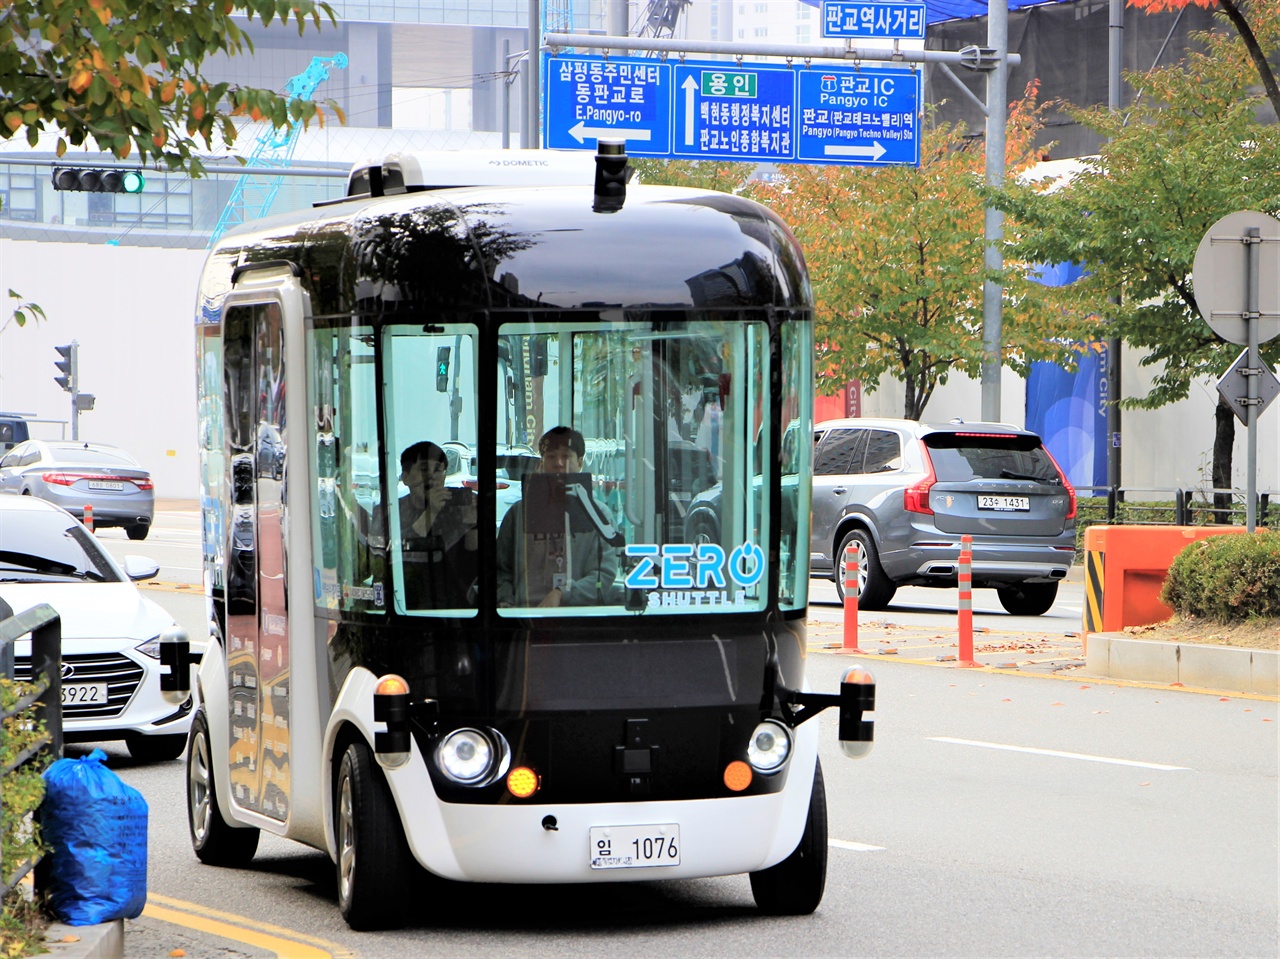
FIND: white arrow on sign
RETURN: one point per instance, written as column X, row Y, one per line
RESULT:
column 690, row 87
column 873, row 152
column 581, row 131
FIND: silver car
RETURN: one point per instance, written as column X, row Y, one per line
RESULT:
column 903, row 493
column 76, row 474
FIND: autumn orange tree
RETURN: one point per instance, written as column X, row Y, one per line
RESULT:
column 895, row 255
column 127, row 75
column 1257, row 29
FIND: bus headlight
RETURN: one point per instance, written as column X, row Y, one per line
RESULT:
column 769, row 747
column 473, row 757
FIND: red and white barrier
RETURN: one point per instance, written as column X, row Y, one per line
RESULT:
column 965, row 580
column 88, row 516
column 851, row 589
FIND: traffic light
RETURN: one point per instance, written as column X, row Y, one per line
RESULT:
column 98, row 181
column 612, row 174
column 68, row 366
column 442, row 369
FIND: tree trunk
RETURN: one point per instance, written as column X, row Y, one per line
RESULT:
column 1224, row 437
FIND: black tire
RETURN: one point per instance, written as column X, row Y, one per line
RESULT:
column 876, row 589
column 137, row 530
column 374, row 863
column 156, row 749
column 215, row 842
column 794, row 886
column 1028, row 599
column 703, row 529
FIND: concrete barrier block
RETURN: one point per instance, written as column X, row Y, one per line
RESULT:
column 1143, row 660
column 1214, row 667
column 1097, row 655
column 1266, row 672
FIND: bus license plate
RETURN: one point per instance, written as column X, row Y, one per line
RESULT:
column 105, row 484
column 626, row 847
column 1004, row 502
column 84, row 694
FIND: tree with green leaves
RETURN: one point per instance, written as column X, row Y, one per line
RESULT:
column 895, row 255
column 127, row 75
column 1188, row 152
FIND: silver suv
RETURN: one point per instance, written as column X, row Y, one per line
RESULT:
column 904, row 492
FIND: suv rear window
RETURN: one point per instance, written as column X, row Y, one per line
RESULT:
column 959, row 457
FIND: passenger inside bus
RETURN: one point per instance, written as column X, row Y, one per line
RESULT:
column 558, row 546
column 437, row 532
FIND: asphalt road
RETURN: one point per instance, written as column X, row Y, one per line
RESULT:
column 1002, row 813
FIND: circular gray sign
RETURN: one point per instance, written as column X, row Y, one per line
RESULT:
column 1220, row 276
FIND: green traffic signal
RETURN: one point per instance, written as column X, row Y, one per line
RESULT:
column 98, row 181
column 134, row 181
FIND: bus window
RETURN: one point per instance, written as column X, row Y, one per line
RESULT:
column 349, row 560
column 430, row 401
column 796, row 455
column 663, row 511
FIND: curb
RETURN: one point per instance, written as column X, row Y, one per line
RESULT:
column 102, row 941
column 1226, row 668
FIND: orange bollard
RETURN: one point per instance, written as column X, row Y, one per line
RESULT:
column 851, row 588
column 88, row 516
column 965, row 578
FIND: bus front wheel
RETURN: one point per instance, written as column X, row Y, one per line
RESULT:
column 373, row 857
column 794, row 886
column 215, row 842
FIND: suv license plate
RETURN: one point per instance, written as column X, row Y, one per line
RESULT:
column 105, row 484
column 84, row 694
column 1006, row 503
column 626, row 847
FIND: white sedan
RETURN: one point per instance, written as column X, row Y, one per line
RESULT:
column 110, row 632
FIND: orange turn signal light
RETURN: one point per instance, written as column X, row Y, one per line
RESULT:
column 522, row 782
column 391, row 685
column 737, row 775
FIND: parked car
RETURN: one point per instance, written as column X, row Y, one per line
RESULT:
column 75, row 474
column 903, row 493
column 13, row 430
column 110, row 632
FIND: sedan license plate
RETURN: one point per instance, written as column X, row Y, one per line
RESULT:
column 105, row 484
column 84, row 694
column 1005, row 503
column 626, row 847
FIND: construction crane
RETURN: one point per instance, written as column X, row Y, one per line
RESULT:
column 660, row 17
column 254, row 193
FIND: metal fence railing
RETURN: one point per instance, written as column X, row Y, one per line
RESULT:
column 1129, row 505
column 45, row 699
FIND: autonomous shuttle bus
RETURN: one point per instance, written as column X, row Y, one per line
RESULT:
column 450, row 430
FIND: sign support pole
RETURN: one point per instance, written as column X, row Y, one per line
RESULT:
column 1253, row 257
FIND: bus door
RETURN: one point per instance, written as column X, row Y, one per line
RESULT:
column 257, row 613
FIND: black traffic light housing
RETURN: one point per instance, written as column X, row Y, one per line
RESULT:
column 612, row 174
column 68, row 366
column 98, row 181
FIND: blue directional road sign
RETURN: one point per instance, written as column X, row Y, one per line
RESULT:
column 873, row 19
column 591, row 97
column 735, row 111
column 722, row 109
column 860, row 116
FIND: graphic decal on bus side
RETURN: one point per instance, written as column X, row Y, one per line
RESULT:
column 682, row 574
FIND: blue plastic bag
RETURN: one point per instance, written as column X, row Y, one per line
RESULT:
column 96, row 827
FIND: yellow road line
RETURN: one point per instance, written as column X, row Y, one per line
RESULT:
column 286, row 943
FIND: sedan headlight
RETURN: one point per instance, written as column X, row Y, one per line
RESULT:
column 769, row 747
column 473, row 757
column 150, row 648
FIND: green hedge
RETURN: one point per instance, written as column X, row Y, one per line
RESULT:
column 1226, row 579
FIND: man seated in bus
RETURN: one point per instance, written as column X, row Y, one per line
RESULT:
column 438, row 537
column 558, row 546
